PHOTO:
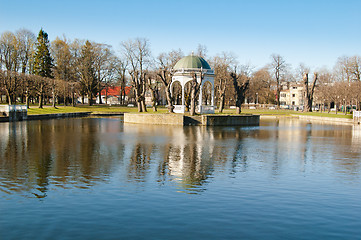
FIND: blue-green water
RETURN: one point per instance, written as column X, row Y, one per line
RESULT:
column 97, row 178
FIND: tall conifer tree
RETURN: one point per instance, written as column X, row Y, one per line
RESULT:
column 88, row 79
column 43, row 62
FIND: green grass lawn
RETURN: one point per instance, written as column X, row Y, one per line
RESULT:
column 94, row 109
column 109, row 109
column 291, row 112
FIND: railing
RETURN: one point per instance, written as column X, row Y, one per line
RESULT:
column 13, row 108
column 179, row 108
column 207, row 109
column 14, row 112
column 356, row 116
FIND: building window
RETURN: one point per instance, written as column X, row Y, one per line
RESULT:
column 293, row 95
column 294, row 87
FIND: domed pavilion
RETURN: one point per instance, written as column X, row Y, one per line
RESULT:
column 184, row 70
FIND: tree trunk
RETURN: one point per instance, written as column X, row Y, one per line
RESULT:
column 72, row 99
column 139, row 104
column 221, row 103
column 100, row 93
column 41, row 100
column 194, row 90
column 154, row 99
column 90, row 98
column 169, row 98
column 144, row 107
column 168, row 94
column 278, row 97
column 240, row 91
column 309, row 92
column 193, row 102
column 143, row 87
column 54, row 100
column 65, row 96
column 100, row 97
column 9, row 99
column 27, row 101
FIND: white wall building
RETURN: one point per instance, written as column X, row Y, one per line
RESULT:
column 292, row 96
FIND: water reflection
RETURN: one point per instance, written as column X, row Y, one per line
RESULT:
column 58, row 152
column 38, row 156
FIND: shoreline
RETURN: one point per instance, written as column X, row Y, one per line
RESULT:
column 61, row 115
column 337, row 120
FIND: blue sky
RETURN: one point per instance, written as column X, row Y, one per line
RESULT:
column 314, row 32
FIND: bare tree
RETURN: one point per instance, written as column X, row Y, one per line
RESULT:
column 202, row 50
column 323, row 88
column 27, row 87
column 64, row 68
column 88, row 78
column 355, row 68
column 343, row 69
column 153, row 88
column 222, row 65
column 120, row 69
column 166, row 62
column 26, row 42
column 241, row 84
column 137, row 53
column 103, row 65
column 260, row 86
column 9, row 57
column 195, row 86
column 309, row 91
column 278, row 65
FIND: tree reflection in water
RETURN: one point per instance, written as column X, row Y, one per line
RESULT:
column 37, row 156
column 63, row 153
column 189, row 154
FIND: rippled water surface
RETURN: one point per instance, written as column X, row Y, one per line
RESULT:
column 97, row 178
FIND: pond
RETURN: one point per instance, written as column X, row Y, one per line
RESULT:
column 98, row 178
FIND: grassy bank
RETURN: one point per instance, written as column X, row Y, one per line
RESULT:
column 94, row 109
column 116, row 109
column 283, row 112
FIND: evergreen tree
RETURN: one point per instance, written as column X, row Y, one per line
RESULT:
column 88, row 80
column 43, row 62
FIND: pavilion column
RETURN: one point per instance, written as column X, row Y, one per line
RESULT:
column 183, row 103
column 200, row 99
column 212, row 95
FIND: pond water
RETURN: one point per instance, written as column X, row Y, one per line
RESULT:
column 98, row 178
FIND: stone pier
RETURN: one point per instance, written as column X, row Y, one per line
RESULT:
column 202, row 120
column 14, row 112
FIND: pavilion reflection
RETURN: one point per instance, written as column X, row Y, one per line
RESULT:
column 189, row 155
column 36, row 156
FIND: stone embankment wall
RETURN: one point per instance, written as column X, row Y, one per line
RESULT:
column 147, row 118
column 205, row 120
column 326, row 119
column 46, row 116
column 57, row 115
column 230, row 120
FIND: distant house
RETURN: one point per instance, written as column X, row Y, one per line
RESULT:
column 292, row 95
column 111, row 95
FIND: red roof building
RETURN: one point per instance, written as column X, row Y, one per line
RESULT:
column 114, row 91
column 111, row 95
